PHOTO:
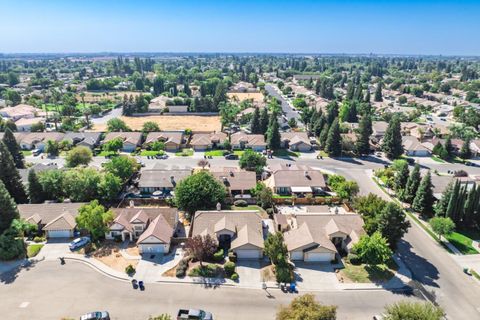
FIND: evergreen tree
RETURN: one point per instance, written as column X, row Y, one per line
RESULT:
column 14, row 148
column 332, row 112
column 8, row 209
column 35, row 189
column 449, row 146
column 318, row 126
column 469, row 209
column 412, row 185
column 442, row 204
column 333, row 145
column 10, row 176
column 423, row 201
column 255, row 126
column 323, row 136
column 367, row 97
column 378, row 93
column 392, row 223
column 453, row 203
column 273, row 136
column 392, row 141
column 264, row 121
column 401, row 177
column 350, row 91
column 362, row 144
column 465, row 152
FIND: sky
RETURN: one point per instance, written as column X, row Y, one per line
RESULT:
column 430, row 27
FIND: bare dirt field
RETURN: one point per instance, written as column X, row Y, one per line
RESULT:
column 240, row 96
column 174, row 123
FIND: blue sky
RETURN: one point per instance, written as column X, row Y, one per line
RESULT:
column 348, row 26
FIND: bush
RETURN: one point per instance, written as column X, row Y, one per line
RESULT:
column 182, row 267
column 234, row 276
column 240, row 203
column 354, row 259
column 130, row 270
column 38, row 239
column 218, row 256
column 180, row 273
column 232, row 257
column 229, row 268
column 270, row 211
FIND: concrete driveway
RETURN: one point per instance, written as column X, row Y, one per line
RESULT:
column 315, row 276
column 54, row 249
column 249, row 273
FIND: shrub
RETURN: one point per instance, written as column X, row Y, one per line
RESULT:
column 38, row 239
column 180, row 273
column 234, row 276
column 270, row 211
column 182, row 267
column 232, row 257
column 218, row 256
column 354, row 259
column 240, row 203
column 229, row 268
column 130, row 270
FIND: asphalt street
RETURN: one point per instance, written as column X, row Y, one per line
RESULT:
column 286, row 107
column 51, row 291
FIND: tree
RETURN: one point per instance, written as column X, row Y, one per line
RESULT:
column 116, row 125
column 401, row 177
column 424, row 199
column 252, row 161
column 255, row 126
column 113, row 145
column 109, row 186
column 201, row 247
column 392, row 141
column 343, row 188
column 122, row 166
column 412, row 185
column 306, row 308
column 203, row 163
column 94, row 218
column 362, row 145
column 35, row 189
column 333, row 145
column 10, row 176
column 275, row 248
column 442, row 226
column 80, row 155
column 8, row 209
column 413, row 311
column 13, row 148
column 264, row 121
column 200, row 191
column 11, row 247
column 273, row 136
column 370, row 207
column 373, row 250
column 150, row 126
column 52, row 148
column 392, row 223
column 378, row 93
column 465, row 152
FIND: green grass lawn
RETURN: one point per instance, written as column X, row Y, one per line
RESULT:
column 263, row 213
column 238, row 152
column 145, row 153
column 437, row 159
column 366, row 274
column 285, row 153
column 33, row 250
column 26, row 153
column 207, row 271
column 462, row 243
column 323, row 154
column 214, row 153
column 185, row 153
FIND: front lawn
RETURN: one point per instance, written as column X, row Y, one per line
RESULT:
column 285, row 153
column 26, row 153
column 365, row 274
column 151, row 153
column 33, row 249
column 185, row 153
column 215, row 153
column 207, row 271
column 437, row 159
column 462, row 243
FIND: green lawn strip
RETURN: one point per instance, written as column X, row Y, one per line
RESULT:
column 215, row 153
column 146, row 153
column 33, row 250
column 437, row 159
column 475, row 274
column 367, row 274
column 238, row 152
column 185, row 153
column 26, row 153
column 285, row 153
column 462, row 243
column 323, row 154
column 263, row 213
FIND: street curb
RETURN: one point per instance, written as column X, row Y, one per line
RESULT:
column 91, row 265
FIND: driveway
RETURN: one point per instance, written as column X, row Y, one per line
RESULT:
column 315, row 276
column 249, row 273
column 151, row 269
column 54, row 249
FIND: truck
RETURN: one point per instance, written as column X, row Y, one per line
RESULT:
column 193, row 314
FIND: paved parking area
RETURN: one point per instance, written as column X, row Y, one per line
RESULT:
column 249, row 273
column 54, row 249
column 315, row 276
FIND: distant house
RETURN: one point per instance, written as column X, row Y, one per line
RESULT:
column 378, row 129
column 161, row 180
column 20, row 111
column 86, row 139
column 235, row 181
column 205, row 141
column 241, row 140
column 178, row 109
column 158, row 104
column 131, row 140
column 413, row 147
column 57, row 220
column 173, row 140
column 239, row 231
column 295, row 141
column 25, row 124
column 299, row 180
column 37, row 140
column 319, row 237
column 37, row 168
column 153, row 228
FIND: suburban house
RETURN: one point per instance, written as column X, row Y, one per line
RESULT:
column 295, row 141
column 131, row 140
column 241, row 140
column 173, row 140
column 158, row 104
column 38, row 167
column 204, row 141
column 298, row 180
column 378, row 130
column 413, row 147
column 237, row 182
column 25, row 124
column 178, row 108
column 152, row 228
column 240, row 231
column 57, row 220
column 20, row 111
column 86, row 139
column 162, row 182
column 38, row 140
column 319, row 237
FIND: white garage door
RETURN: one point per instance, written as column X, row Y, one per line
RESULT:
column 59, row 234
column 296, row 255
column 248, row 254
column 318, row 256
column 152, row 248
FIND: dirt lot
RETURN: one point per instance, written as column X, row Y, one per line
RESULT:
column 166, row 123
column 109, row 255
column 240, row 96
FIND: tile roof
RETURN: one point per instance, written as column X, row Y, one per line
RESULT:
column 159, row 228
column 236, row 180
column 125, row 216
column 201, row 139
column 47, row 212
column 164, row 136
column 247, row 139
column 127, row 137
column 66, row 221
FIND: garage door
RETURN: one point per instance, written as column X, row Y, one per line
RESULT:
column 152, row 248
column 248, row 254
column 296, row 255
column 59, row 234
column 319, row 256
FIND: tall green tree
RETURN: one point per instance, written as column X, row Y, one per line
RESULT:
column 8, row 209
column 442, row 226
column 412, row 185
column 94, row 218
column 273, row 136
column 10, row 176
column 424, row 199
column 14, row 148
column 255, row 126
column 264, row 121
column 401, row 177
column 442, row 204
column 333, row 145
column 35, row 189
column 413, row 311
column 465, row 152
column 454, row 204
column 362, row 144
column 392, row 223
column 392, row 141
column 373, row 250
column 378, row 93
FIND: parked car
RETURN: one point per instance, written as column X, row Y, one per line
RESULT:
column 195, row 314
column 97, row 315
column 78, row 243
column 162, row 157
column 231, row 157
column 36, row 152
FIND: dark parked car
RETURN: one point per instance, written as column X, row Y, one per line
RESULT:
column 97, row 315
column 231, row 157
column 196, row 314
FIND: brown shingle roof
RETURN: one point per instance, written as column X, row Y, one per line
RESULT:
column 158, row 228
column 64, row 222
column 127, row 137
column 48, row 212
column 162, row 178
column 201, row 139
column 173, row 137
column 236, row 180
column 128, row 214
column 297, row 178
column 247, row 139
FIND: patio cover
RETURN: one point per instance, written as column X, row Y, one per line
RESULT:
column 301, row 189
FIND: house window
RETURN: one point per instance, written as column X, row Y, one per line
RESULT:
column 138, row 228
